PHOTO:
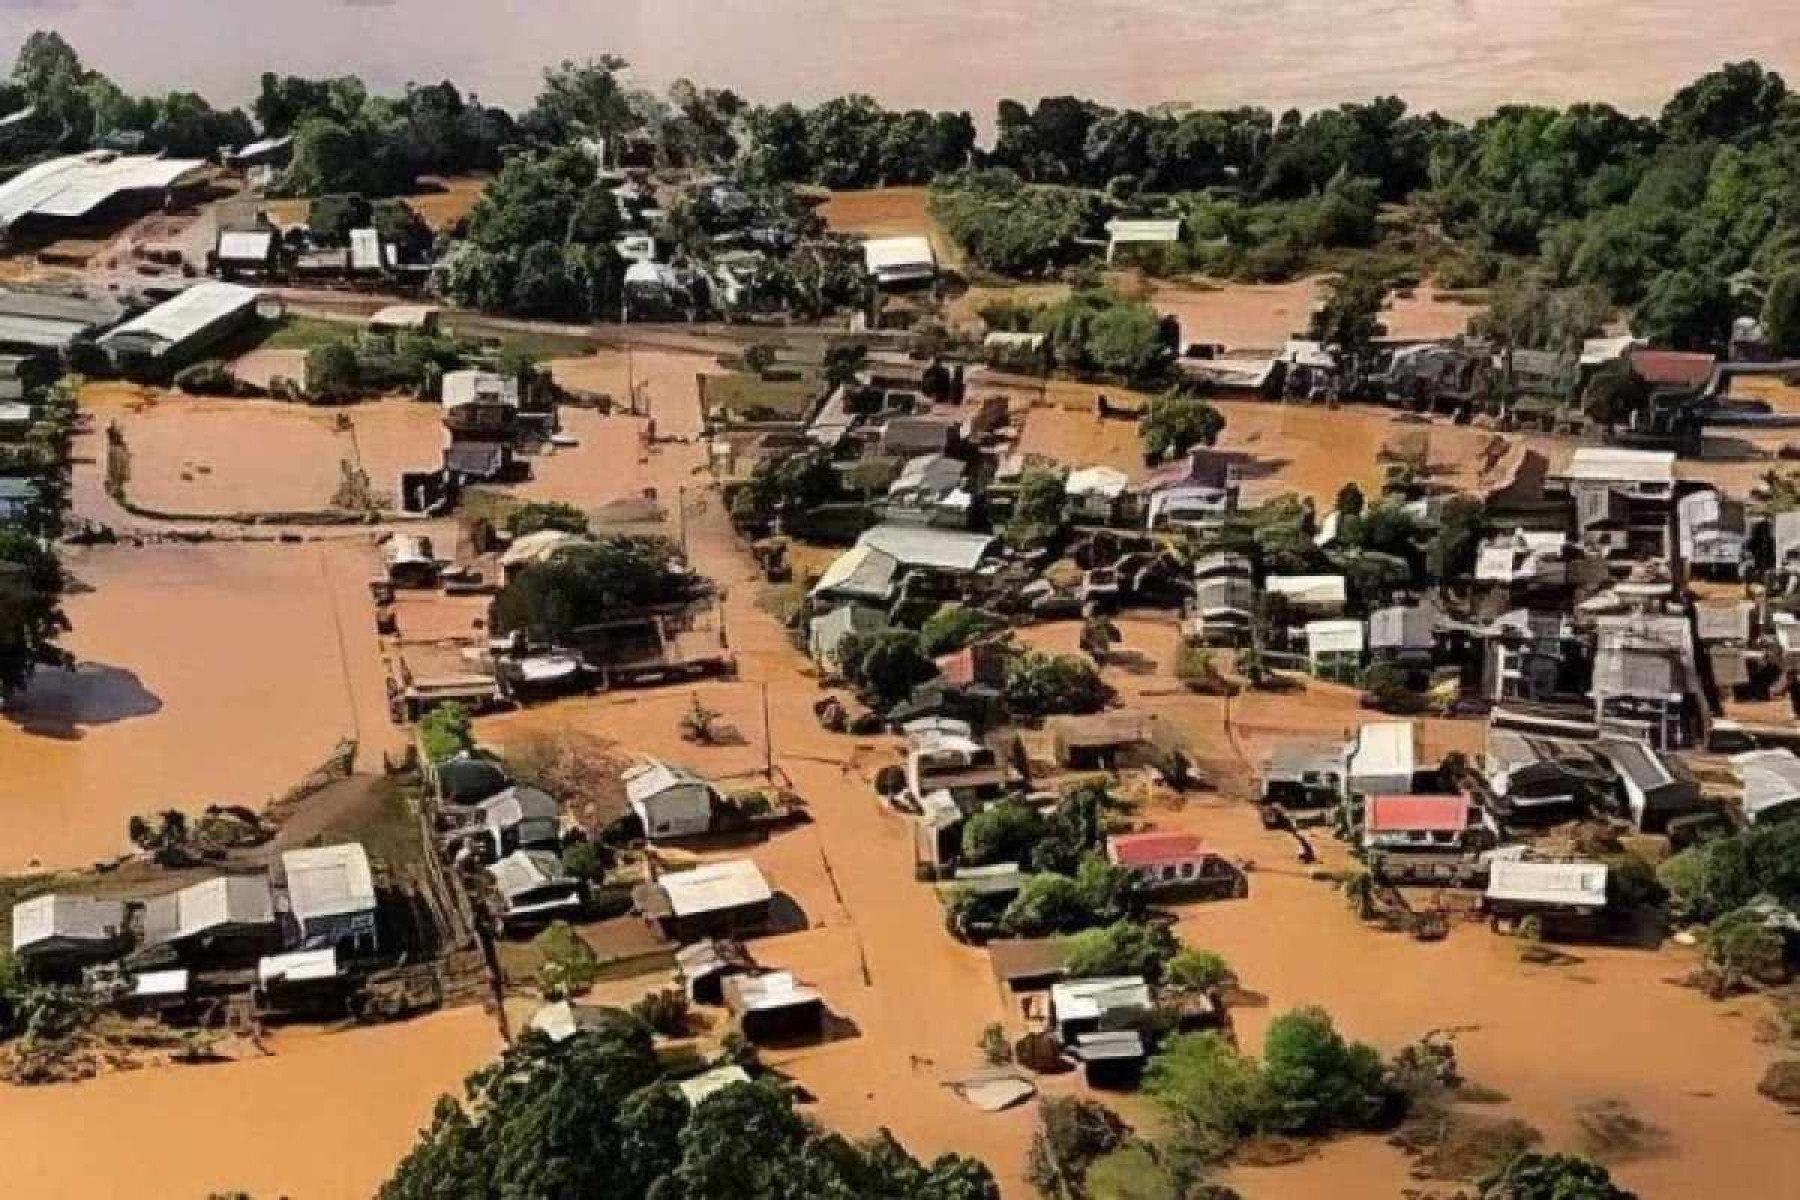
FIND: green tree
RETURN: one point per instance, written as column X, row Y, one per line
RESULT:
column 591, row 582
column 1176, row 424
column 1718, row 876
column 1741, row 948
column 1007, row 831
column 1551, row 1177
column 540, row 515
column 1781, row 313
column 1039, row 685
column 1684, row 310
column 885, row 665
column 1194, row 970
column 1121, row 948
column 1214, row 1096
column 1315, row 1081
column 333, row 371
column 31, row 616
column 1349, row 316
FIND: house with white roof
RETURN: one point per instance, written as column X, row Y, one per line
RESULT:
column 715, row 899
column 671, row 801
column 330, row 893
column 899, row 261
column 1381, row 759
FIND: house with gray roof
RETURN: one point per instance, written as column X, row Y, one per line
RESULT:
column 1771, row 783
column 671, row 801
column 1646, row 682
column 330, row 897
column 1655, row 787
column 229, row 918
column 1405, row 635
column 1711, row 534
column 57, row 934
column 533, row 887
column 827, row 630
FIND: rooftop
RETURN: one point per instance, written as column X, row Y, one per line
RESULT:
column 768, row 992
column 1154, row 848
column 184, row 316
column 653, row 777
column 1581, row 885
column 1424, row 814
column 715, row 886
column 1091, row 999
column 77, row 918
column 75, row 185
column 939, row 549
column 329, row 881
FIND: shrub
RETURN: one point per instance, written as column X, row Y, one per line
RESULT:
column 1197, row 971
column 954, row 626
column 1741, row 948
column 585, row 860
column 570, row 964
column 541, row 515
column 665, row 1011
column 1122, row 948
column 1176, row 424
column 333, row 371
column 1003, row 832
column 446, row 732
column 1039, row 685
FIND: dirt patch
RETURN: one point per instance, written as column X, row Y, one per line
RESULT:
column 890, row 212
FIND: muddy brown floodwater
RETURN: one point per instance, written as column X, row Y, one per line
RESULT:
column 326, row 1117
column 208, row 674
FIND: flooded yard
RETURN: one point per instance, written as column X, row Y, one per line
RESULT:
column 327, row 1116
column 207, row 674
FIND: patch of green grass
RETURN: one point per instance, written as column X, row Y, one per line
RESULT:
column 751, row 398
column 303, row 333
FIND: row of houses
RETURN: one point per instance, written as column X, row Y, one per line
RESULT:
column 307, row 923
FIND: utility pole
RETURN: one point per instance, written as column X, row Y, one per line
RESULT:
column 768, row 736
column 681, row 517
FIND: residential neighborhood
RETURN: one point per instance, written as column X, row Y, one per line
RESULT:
column 757, row 648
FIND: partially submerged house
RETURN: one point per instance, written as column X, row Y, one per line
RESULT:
column 1645, row 679
column 671, row 801
column 1169, row 864
column 1334, row 649
column 1550, row 891
column 930, row 490
column 704, row 966
column 1771, row 783
column 896, row 262
column 1297, row 775
column 1098, row 741
column 57, row 934
column 1655, row 787
column 1380, row 759
column 218, row 920
column 533, row 887
column 1079, row 1006
column 1533, row 777
column 331, row 899
column 774, row 1007
column 1711, row 534
column 1316, row 597
column 182, row 329
column 1028, row 964
column 1441, row 824
column 1623, row 500
column 715, row 899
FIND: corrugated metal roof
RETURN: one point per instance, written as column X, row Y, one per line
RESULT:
column 1124, row 230
column 897, row 256
column 940, row 549
column 1580, row 885
column 769, row 992
column 1334, row 637
column 653, row 777
column 1771, row 779
column 191, row 313
column 77, row 918
column 1429, row 814
column 860, row 571
column 1154, row 848
column 329, row 881
column 1607, row 464
column 1383, row 748
column 1091, row 999
column 246, row 245
column 75, row 185
column 713, row 887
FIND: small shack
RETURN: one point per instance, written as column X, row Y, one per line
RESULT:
column 671, row 801
column 1079, row 1006
column 1028, row 964
column 1113, row 1060
column 1380, row 759
column 56, row 935
column 705, row 966
column 227, row 919
column 330, row 893
column 1169, row 864
column 1099, row 741
column 717, row 899
column 774, row 1007
column 1561, row 893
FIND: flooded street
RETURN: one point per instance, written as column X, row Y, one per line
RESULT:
column 1461, row 56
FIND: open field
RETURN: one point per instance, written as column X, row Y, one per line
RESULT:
column 326, row 1116
column 208, row 674
column 1263, row 316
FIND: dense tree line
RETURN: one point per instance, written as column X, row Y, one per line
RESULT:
column 595, row 1116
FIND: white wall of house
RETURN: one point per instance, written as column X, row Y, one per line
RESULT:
column 682, row 811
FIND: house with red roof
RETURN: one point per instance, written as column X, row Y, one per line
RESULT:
column 1169, row 863
column 1414, row 824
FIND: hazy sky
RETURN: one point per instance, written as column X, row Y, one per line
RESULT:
column 1463, row 56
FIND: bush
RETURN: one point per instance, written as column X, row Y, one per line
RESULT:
column 541, row 515
column 586, row 860
column 954, row 626
column 1038, row 685
column 1741, row 948
column 1197, row 971
column 665, row 1011
column 1316, row 1081
column 1716, row 877
column 1551, row 1177
column 1122, row 948
column 333, row 371
column 570, row 964
column 1176, row 424
column 446, row 731
column 884, row 667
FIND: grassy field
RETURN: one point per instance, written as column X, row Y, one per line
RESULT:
column 746, row 397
